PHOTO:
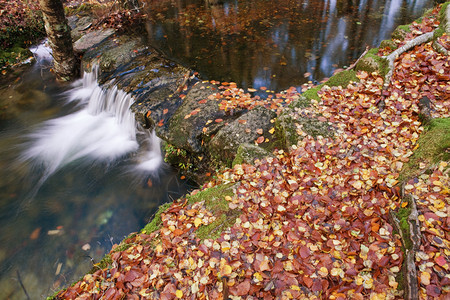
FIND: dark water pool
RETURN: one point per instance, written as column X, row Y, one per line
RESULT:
column 273, row 43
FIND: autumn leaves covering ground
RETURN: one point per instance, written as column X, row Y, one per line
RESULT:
column 311, row 221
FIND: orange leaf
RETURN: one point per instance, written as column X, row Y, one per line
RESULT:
column 218, row 120
column 35, row 234
column 165, row 111
column 260, row 140
column 259, row 131
column 264, row 266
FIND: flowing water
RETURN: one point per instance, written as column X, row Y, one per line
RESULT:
column 77, row 175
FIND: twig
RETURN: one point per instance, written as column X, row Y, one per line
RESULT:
column 357, row 61
column 21, row 284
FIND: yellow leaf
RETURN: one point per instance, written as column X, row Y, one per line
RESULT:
column 425, row 278
column 272, row 130
column 226, row 270
column 197, row 222
column 323, row 272
column 179, row 294
column 257, row 276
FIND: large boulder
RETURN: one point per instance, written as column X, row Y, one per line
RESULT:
column 196, row 119
column 248, row 153
column 254, row 127
column 91, row 39
column 296, row 121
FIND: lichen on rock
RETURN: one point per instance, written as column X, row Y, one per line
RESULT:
column 252, row 127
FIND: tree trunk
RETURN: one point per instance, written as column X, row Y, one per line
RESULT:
column 129, row 4
column 66, row 64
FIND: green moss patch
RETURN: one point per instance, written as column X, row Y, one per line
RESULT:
column 342, row 78
column 156, row 222
column 215, row 202
column 373, row 63
column 400, row 32
column 434, row 146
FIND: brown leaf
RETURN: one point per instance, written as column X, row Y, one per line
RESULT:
column 304, row 252
column 243, row 288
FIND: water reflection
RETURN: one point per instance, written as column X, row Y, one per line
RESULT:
column 276, row 44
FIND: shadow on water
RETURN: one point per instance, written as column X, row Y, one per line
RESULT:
column 276, row 44
column 77, row 175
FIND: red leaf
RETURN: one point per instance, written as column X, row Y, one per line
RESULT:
column 304, row 252
column 243, row 288
column 441, row 261
column 433, row 290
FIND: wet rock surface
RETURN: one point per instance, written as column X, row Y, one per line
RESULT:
column 170, row 99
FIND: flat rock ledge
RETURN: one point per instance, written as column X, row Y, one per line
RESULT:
column 182, row 109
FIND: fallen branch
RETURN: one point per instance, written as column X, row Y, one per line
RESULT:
column 357, row 61
column 439, row 48
column 424, row 38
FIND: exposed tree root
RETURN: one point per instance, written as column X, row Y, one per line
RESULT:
column 424, row 38
column 413, row 238
column 439, row 48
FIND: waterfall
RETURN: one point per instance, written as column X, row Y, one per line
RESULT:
column 101, row 129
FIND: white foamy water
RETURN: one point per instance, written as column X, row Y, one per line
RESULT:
column 102, row 129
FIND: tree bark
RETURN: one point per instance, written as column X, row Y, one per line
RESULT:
column 66, row 64
column 129, row 4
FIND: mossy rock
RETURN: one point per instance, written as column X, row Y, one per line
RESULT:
column 214, row 200
column 400, row 32
column 92, row 39
column 388, row 44
column 156, row 221
column 248, row 153
column 373, row 63
column 254, row 126
column 444, row 22
column 444, row 17
column 287, row 124
column 434, row 146
column 185, row 127
column 342, row 78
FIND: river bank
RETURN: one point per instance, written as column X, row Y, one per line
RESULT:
column 333, row 213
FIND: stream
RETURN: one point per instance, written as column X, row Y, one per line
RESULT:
column 77, row 174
